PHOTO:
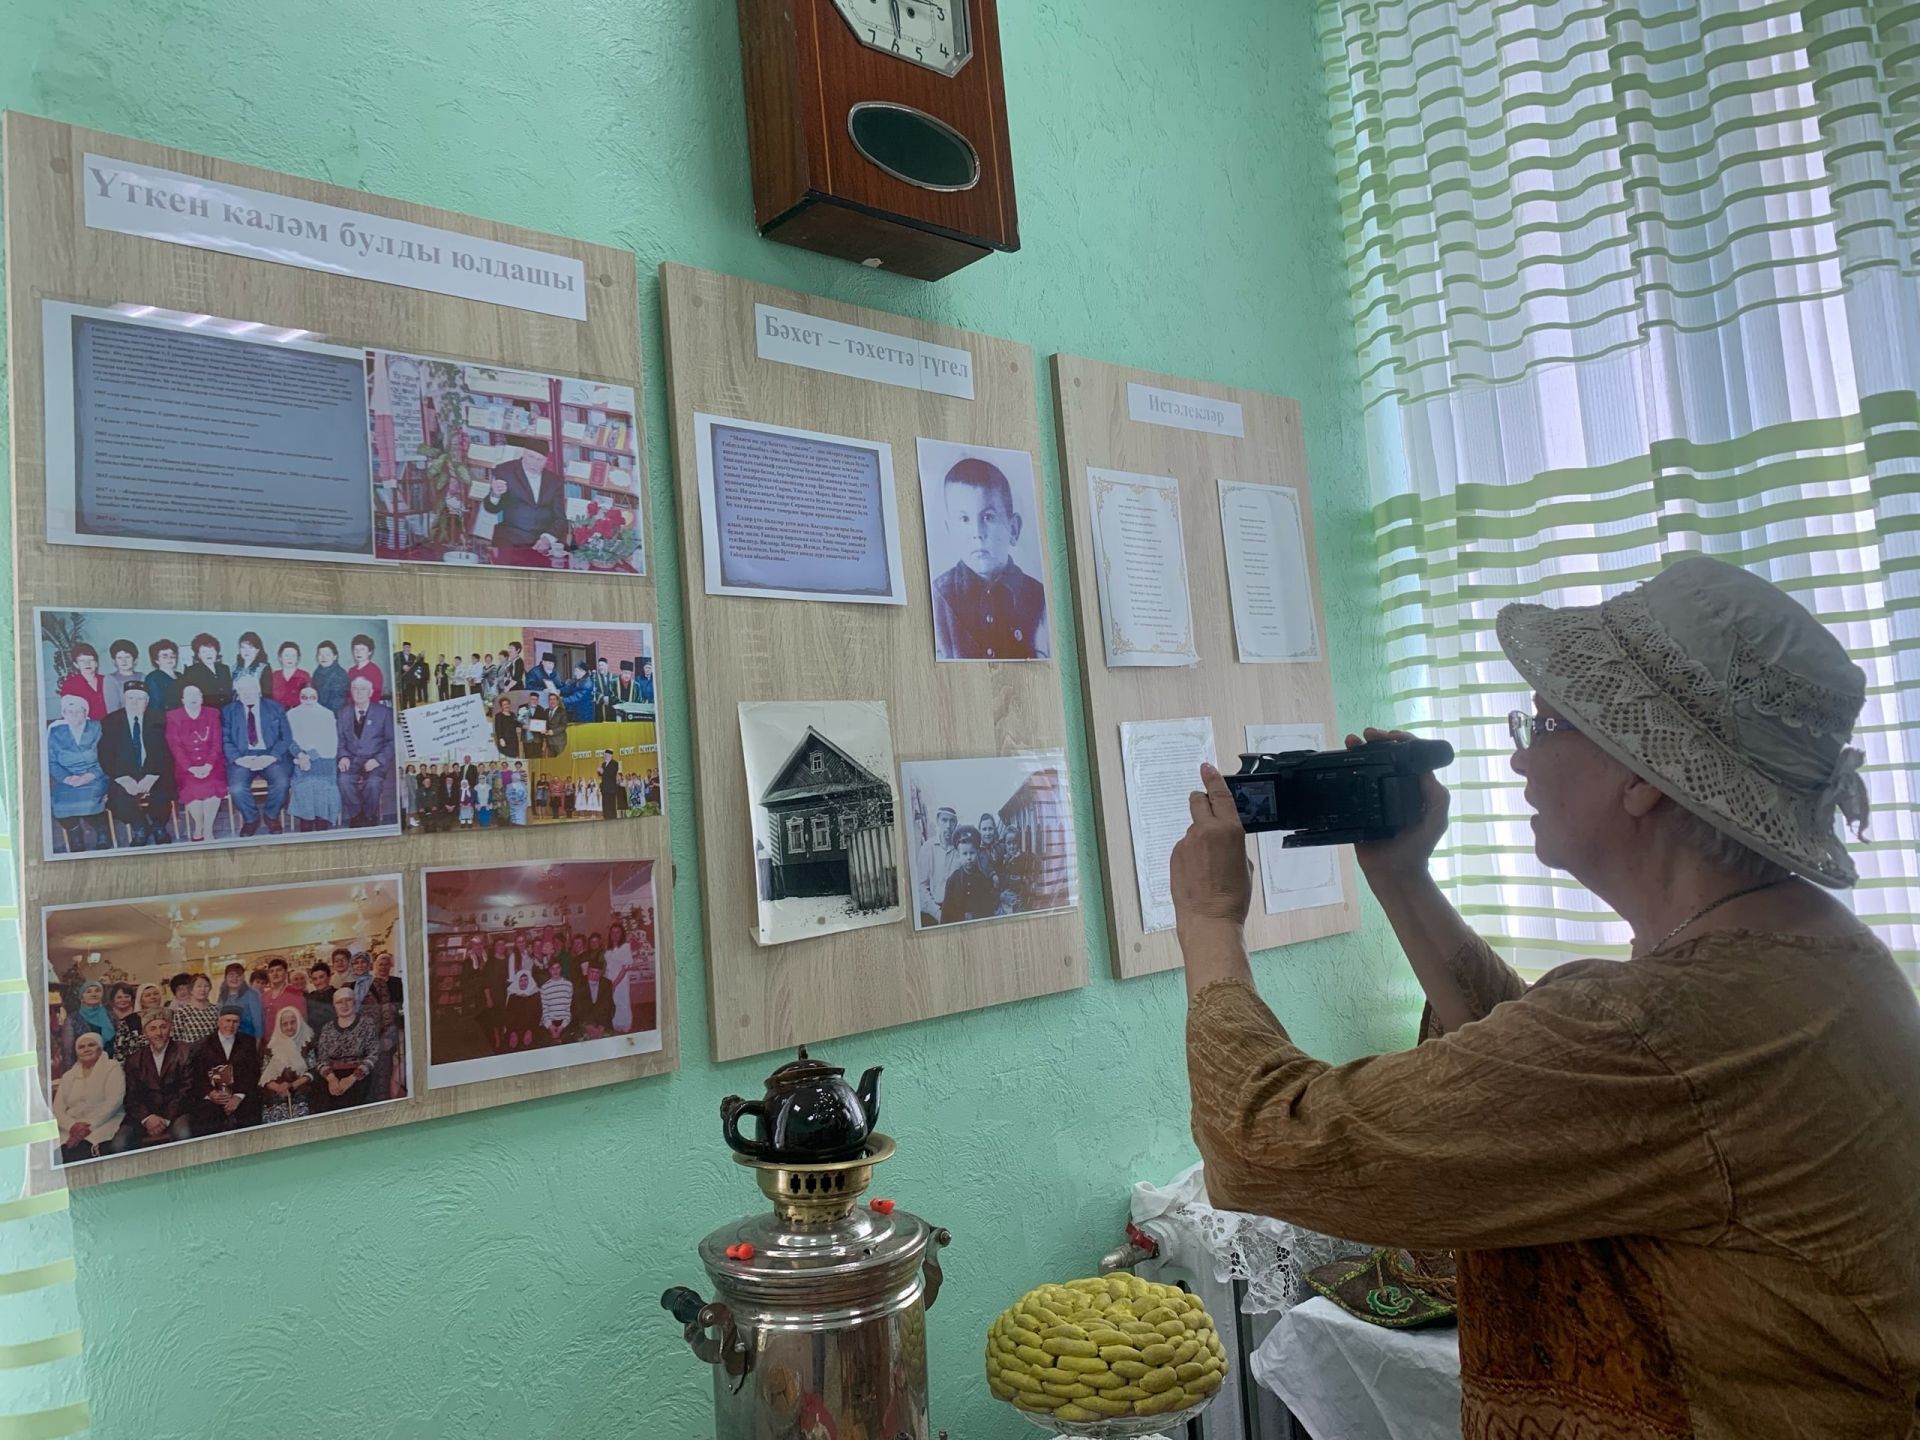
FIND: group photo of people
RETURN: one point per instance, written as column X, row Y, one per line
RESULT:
column 176, row 1018
column 989, row 838
column 537, row 966
column 170, row 728
column 507, row 724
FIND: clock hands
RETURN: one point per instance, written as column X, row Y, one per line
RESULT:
column 894, row 6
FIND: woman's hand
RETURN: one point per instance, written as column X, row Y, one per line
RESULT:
column 1210, row 873
column 1409, row 852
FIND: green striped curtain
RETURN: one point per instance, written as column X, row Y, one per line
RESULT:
column 1632, row 280
column 42, row 1371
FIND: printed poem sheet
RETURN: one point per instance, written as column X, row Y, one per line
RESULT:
column 1162, row 760
column 1140, row 557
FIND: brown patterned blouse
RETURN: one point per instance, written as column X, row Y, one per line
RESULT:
column 1685, row 1189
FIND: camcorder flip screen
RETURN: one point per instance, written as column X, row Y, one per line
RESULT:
column 1337, row 797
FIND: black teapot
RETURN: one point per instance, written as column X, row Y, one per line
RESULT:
column 809, row 1115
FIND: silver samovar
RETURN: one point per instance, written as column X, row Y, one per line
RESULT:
column 817, row 1329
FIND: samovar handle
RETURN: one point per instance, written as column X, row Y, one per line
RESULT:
column 940, row 1239
column 729, row 1349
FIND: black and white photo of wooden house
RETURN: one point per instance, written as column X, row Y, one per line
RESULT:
column 830, row 828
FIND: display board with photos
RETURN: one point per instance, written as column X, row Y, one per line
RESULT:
column 1201, row 629
column 868, row 617
column 384, row 580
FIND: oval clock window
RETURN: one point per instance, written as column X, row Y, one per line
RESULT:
column 911, row 145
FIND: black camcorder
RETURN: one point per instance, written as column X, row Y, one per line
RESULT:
column 1336, row 797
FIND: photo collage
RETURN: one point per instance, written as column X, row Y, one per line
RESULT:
column 175, row 1016
column 827, row 822
column 505, row 725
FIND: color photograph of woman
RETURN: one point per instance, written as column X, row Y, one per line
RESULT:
column 207, row 729
column 177, row 1017
column 537, row 967
column 479, row 465
column 540, row 723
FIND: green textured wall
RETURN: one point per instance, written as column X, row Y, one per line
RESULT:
column 496, row 1274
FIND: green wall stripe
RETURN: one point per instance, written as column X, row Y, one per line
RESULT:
column 46, row 1424
column 63, row 1346
column 28, row 1134
column 37, row 1277
column 28, row 1207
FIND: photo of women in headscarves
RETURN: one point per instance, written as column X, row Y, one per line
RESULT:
column 178, row 1017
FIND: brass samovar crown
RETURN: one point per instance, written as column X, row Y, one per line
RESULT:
column 818, row 1193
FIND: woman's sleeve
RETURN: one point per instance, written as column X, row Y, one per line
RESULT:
column 1549, row 1121
column 116, row 1097
column 1484, row 979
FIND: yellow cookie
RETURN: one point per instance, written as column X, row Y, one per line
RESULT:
column 1155, row 1382
column 1070, row 1347
column 1038, row 1402
column 1161, row 1354
column 1067, row 1392
column 1163, row 1403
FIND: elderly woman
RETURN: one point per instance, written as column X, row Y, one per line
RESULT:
column 314, row 799
column 345, row 1053
column 90, row 1102
column 76, row 781
column 199, row 760
column 1681, row 1189
column 92, row 1013
column 286, row 1069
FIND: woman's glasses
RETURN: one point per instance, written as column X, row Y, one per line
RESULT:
column 1524, row 727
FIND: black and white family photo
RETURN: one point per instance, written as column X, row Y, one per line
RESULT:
column 989, row 838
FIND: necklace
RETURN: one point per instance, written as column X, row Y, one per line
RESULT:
column 1707, row 910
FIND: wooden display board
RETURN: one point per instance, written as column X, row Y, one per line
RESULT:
column 1097, row 429
column 750, row 649
column 53, row 254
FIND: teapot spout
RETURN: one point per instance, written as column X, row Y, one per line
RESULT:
column 869, row 1093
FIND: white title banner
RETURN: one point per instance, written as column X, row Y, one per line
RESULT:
column 208, row 215
column 1184, row 412
column 795, row 339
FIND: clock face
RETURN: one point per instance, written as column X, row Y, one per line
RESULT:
column 932, row 33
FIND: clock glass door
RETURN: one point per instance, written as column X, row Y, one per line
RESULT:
column 932, row 33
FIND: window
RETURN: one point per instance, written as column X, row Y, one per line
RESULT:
column 822, row 833
column 817, row 763
column 796, row 835
column 847, row 827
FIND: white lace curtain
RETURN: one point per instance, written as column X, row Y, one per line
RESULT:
column 1632, row 280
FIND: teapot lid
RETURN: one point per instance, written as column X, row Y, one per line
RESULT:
column 805, row 1068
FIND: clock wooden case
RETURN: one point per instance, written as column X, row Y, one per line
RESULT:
column 878, row 130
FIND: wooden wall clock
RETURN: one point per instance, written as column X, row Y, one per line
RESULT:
column 879, row 130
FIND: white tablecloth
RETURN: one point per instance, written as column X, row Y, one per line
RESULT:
column 1348, row 1380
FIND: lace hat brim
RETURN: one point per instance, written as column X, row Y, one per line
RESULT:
column 1575, row 663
